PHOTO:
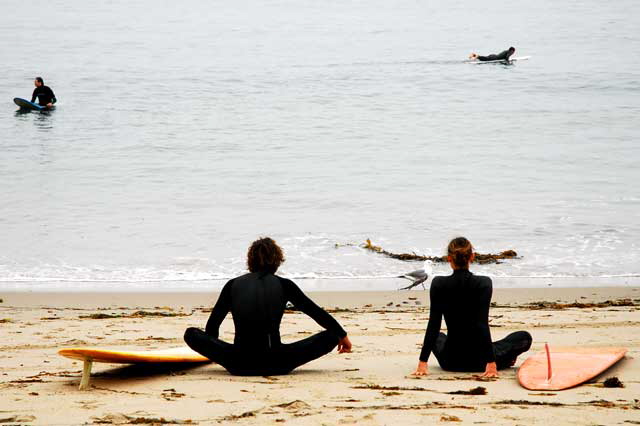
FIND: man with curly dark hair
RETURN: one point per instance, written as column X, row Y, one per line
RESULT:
column 257, row 301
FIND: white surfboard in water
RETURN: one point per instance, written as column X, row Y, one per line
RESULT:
column 521, row 58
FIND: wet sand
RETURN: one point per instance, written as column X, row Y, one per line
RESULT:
column 369, row 386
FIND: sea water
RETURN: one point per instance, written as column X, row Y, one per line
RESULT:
column 185, row 130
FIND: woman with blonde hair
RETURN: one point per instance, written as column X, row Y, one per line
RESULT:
column 463, row 299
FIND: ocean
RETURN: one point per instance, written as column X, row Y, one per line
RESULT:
column 185, row 130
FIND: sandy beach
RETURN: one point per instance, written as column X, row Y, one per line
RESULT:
column 369, row 386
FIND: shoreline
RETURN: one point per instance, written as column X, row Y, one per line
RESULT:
column 343, row 299
column 332, row 284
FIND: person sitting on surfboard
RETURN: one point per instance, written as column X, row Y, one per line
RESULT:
column 257, row 301
column 45, row 95
column 464, row 299
column 502, row 56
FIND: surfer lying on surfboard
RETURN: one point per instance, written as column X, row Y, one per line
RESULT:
column 257, row 301
column 502, row 56
column 45, row 95
column 464, row 299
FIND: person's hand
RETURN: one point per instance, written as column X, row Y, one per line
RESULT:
column 49, row 105
column 491, row 370
column 421, row 369
column 473, row 56
column 344, row 345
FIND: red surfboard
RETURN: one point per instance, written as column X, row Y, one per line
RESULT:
column 563, row 368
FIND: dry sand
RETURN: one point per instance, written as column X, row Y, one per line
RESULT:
column 369, row 386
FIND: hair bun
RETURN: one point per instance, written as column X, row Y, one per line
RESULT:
column 460, row 250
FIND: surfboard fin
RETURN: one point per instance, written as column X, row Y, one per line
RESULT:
column 86, row 374
column 549, row 371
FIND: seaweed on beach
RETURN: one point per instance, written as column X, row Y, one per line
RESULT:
column 525, row 402
column 112, row 390
column 156, row 421
column 233, row 417
column 338, row 310
column 613, row 382
column 17, row 419
column 137, row 314
column 55, row 374
column 171, row 394
column 5, row 320
column 475, row 391
column 545, row 305
column 294, row 405
column 101, row 316
column 594, row 403
column 475, row 378
column 392, row 388
column 425, row 406
column 602, row 403
column 132, row 420
column 28, row 380
column 479, row 258
column 579, row 305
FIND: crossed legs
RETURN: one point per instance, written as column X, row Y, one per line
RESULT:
column 280, row 360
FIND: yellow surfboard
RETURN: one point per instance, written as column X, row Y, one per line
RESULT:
column 91, row 355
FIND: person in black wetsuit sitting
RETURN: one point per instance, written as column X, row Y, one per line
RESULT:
column 44, row 93
column 502, row 56
column 464, row 299
column 257, row 301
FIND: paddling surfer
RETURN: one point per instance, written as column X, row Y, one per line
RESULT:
column 257, row 301
column 463, row 299
column 502, row 56
column 45, row 95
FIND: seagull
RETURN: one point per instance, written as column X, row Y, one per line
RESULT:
column 418, row 276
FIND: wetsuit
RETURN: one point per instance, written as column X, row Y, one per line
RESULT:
column 463, row 299
column 44, row 94
column 257, row 302
column 502, row 56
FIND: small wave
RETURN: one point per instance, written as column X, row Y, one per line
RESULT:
column 301, row 276
column 560, row 275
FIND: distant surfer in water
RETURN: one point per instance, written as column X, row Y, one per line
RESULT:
column 463, row 299
column 45, row 95
column 502, row 56
column 257, row 301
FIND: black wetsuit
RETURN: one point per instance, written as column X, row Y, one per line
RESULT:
column 502, row 56
column 463, row 299
column 257, row 302
column 44, row 94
